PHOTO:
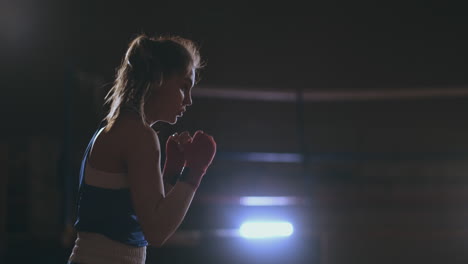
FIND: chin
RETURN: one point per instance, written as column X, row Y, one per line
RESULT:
column 173, row 121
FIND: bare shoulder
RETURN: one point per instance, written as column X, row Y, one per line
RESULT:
column 133, row 133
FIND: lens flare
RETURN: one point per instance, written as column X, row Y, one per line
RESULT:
column 266, row 229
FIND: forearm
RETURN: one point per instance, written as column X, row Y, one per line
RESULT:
column 168, row 188
column 171, row 212
column 170, row 180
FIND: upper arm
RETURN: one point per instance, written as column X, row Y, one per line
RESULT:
column 144, row 175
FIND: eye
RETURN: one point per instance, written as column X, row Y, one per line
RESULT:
column 186, row 88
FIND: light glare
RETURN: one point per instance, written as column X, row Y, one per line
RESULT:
column 267, row 201
column 266, row 229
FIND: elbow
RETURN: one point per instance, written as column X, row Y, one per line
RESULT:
column 157, row 238
column 157, row 241
column 161, row 234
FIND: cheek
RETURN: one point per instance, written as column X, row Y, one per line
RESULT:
column 151, row 100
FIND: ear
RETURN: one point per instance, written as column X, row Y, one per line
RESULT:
column 157, row 80
column 156, row 86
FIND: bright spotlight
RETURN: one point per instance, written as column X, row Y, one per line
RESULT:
column 267, row 200
column 266, row 229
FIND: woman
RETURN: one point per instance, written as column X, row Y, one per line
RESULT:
column 125, row 202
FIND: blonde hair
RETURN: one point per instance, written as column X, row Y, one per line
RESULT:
column 148, row 61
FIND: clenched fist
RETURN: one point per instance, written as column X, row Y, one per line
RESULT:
column 198, row 153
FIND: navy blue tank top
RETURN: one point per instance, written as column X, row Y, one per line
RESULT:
column 107, row 211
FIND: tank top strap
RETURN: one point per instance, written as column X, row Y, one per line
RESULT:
column 86, row 153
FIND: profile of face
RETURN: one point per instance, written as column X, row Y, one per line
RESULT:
column 169, row 101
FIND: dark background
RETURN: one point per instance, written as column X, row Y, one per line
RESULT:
column 378, row 98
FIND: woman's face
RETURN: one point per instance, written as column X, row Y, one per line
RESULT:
column 169, row 101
